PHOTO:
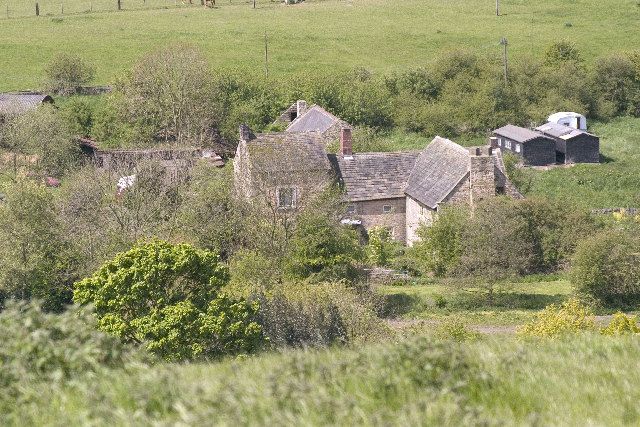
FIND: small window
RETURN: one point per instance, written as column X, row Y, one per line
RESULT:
column 351, row 209
column 293, row 115
column 500, row 191
column 386, row 209
column 507, row 144
column 286, row 197
column 517, row 148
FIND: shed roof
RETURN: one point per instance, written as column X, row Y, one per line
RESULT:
column 284, row 151
column 316, row 119
column 438, row 169
column 374, row 176
column 517, row 133
column 561, row 131
column 18, row 103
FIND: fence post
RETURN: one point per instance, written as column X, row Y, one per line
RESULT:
column 37, row 9
column 119, row 5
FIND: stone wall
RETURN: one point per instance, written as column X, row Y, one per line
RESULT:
column 482, row 176
column 417, row 215
column 371, row 213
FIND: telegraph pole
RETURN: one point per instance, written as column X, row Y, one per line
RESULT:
column 266, row 55
column 504, row 43
column 497, row 7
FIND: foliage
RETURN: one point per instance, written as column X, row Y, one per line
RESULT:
column 318, row 314
column 79, row 114
column 322, row 249
column 36, row 259
column 606, row 267
column 455, row 329
column 66, row 73
column 252, row 271
column 382, row 248
column 555, row 321
column 621, row 324
column 168, row 297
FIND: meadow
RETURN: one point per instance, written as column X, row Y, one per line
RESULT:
column 317, row 35
column 582, row 380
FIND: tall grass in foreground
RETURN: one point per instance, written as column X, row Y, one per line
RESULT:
column 583, row 380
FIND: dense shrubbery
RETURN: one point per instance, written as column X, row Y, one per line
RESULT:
column 67, row 73
column 606, row 267
column 570, row 317
column 169, row 299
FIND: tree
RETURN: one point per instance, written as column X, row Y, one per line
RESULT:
column 169, row 298
column 171, row 91
column 67, row 73
column 36, row 260
column 382, row 249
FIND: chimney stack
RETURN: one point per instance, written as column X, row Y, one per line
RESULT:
column 301, row 107
column 346, row 142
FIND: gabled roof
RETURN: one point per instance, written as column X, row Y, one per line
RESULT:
column 287, row 152
column 561, row 131
column 18, row 103
column 438, row 169
column 316, row 119
column 374, row 176
column 518, row 134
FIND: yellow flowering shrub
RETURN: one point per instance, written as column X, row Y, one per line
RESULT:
column 621, row 324
column 571, row 316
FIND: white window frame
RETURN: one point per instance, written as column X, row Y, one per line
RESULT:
column 517, row 148
column 294, row 197
column 507, row 144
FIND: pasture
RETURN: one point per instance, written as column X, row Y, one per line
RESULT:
column 379, row 35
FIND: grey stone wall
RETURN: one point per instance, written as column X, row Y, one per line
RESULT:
column 371, row 213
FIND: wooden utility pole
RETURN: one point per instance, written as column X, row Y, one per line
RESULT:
column 497, row 7
column 266, row 55
column 504, row 43
column 119, row 4
column 254, row 4
column 37, row 9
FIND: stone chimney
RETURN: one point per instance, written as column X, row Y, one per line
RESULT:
column 245, row 133
column 482, row 176
column 301, row 107
column 493, row 142
column 346, row 142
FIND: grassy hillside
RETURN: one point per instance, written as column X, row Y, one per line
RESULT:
column 585, row 380
column 613, row 183
column 315, row 35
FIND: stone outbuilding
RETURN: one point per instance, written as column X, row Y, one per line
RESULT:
column 572, row 145
column 535, row 148
column 299, row 117
column 13, row 104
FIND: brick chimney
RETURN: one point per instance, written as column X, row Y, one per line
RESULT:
column 245, row 133
column 482, row 174
column 346, row 142
column 301, row 107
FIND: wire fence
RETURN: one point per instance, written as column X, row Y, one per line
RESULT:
column 56, row 8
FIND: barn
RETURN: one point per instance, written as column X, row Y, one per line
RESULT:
column 535, row 148
column 572, row 145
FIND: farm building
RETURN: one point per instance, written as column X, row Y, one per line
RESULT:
column 13, row 104
column 572, row 145
column 398, row 191
column 299, row 117
column 568, row 118
column 535, row 148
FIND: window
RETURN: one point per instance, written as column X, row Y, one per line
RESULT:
column 517, row 148
column 351, row 209
column 500, row 191
column 286, row 197
column 386, row 208
column 501, row 141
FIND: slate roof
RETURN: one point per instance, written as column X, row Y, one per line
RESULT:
column 18, row 103
column 284, row 151
column 518, row 134
column 561, row 131
column 316, row 119
column 438, row 169
column 374, row 176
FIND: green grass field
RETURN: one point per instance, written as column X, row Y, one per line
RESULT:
column 316, row 35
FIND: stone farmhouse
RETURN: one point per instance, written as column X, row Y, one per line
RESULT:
column 398, row 190
column 301, row 118
column 563, row 140
column 13, row 104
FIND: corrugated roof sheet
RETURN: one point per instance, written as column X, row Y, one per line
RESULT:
column 374, row 176
column 316, row 119
column 560, row 131
column 18, row 103
column 517, row 133
column 438, row 169
column 284, row 151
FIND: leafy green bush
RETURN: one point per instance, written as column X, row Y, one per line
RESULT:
column 67, row 73
column 454, row 329
column 606, row 267
column 319, row 314
column 382, row 248
column 168, row 297
column 621, row 324
column 570, row 317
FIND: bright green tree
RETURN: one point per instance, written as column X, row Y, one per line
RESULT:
column 169, row 298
